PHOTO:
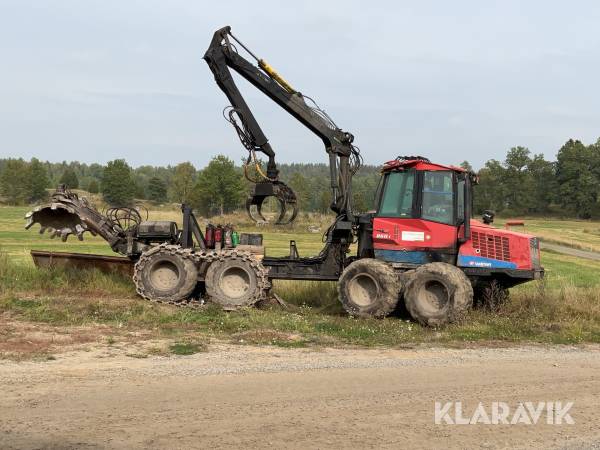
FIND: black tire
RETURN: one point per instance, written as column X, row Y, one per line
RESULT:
column 166, row 273
column 490, row 295
column 437, row 294
column 236, row 280
column 369, row 288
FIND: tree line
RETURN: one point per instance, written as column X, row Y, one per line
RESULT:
column 527, row 184
column 218, row 188
column 523, row 183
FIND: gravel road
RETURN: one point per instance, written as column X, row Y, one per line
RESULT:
column 586, row 254
column 256, row 397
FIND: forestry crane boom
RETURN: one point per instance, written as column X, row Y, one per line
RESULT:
column 344, row 157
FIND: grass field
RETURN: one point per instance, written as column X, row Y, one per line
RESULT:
column 17, row 242
column 565, row 308
column 582, row 234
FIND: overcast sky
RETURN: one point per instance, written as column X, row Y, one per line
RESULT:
column 98, row 80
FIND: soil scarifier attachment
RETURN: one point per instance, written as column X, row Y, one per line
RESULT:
column 68, row 214
column 171, row 266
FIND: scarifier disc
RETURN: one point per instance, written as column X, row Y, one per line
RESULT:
column 58, row 220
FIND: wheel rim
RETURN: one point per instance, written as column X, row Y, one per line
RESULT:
column 434, row 295
column 234, row 282
column 363, row 289
column 164, row 275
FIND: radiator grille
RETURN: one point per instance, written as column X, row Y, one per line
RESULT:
column 491, row 246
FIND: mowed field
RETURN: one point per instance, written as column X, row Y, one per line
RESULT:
column 564, row 308
column 580, row 234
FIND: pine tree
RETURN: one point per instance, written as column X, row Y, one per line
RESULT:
column 117, row 185
column 578, row 185
column 301, row 188
column 39, row 180
column 517, row 180
column 183, row 182
column 93, row 187
column 157, row 190
column 15, row 182
column 69, row 178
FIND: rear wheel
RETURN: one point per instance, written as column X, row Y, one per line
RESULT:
column 437, row 294
column 165, row 273
column 369, row 288
column 236, row 279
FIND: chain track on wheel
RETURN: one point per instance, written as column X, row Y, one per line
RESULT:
column 199, row 257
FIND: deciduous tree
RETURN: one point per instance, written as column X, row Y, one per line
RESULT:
column 219, row 187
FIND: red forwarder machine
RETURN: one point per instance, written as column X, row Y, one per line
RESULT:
column 419, row 247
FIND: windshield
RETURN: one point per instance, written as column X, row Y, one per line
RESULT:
column 397, row 197
column 436, row 196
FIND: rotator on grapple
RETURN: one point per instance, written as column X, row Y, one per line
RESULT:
column 419, row 247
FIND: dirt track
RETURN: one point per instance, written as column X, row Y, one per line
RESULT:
column 240, row 396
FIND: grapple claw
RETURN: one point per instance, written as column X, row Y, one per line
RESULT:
column 254, row 208
column 259, row 209
column 282, row 210
column 285, row 198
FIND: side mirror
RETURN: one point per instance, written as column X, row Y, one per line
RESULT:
column 488, row 216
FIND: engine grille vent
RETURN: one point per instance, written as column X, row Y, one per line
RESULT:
column 491, row 246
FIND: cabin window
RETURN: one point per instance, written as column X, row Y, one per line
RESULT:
column 438, row 197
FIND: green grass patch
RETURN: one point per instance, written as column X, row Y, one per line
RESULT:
column 186, row 348
column 565, row 308
column 569, row 315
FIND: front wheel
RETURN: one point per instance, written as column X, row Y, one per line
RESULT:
column 369, row 288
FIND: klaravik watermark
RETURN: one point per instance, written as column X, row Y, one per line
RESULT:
column 502, row 413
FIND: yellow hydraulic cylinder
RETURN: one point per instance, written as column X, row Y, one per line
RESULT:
column 273, row 74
